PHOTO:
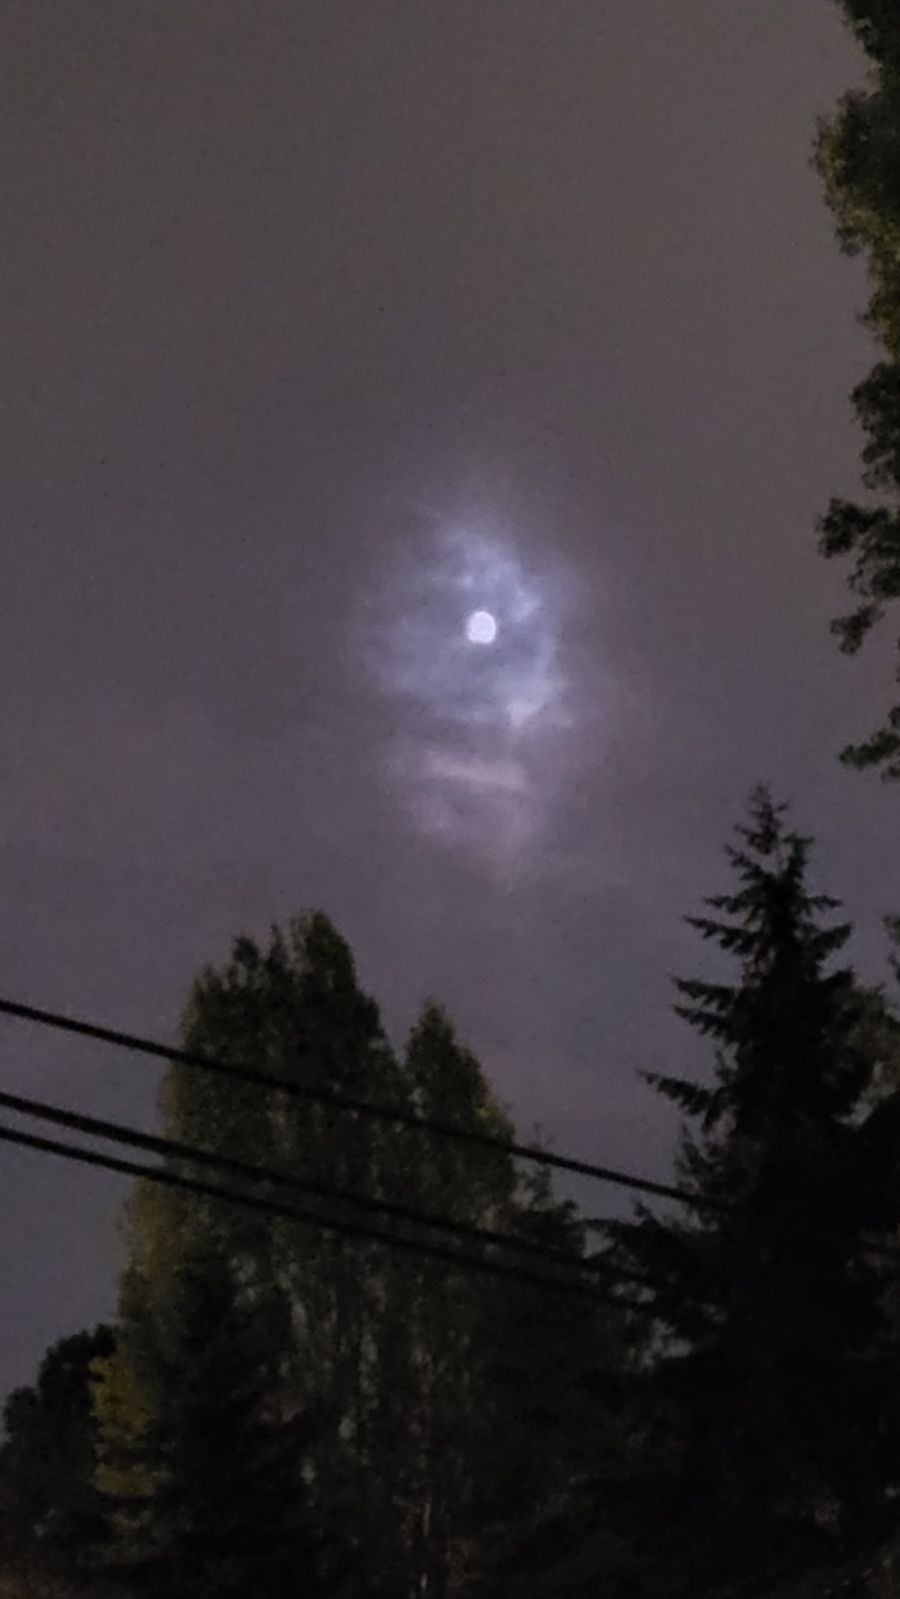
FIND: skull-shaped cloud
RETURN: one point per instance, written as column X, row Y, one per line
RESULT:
column 465, row 639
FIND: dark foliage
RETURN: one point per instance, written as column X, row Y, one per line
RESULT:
column 858, row 155
column 230, row 1513
column 780, row 1372
column 50, row 1512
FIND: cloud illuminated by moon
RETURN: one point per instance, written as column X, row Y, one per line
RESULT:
column 466, row 645
column 476, row 772
column 422, row 652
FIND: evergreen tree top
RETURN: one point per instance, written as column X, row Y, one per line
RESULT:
column 787, row 1028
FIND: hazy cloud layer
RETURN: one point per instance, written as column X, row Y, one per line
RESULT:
column 324, row 324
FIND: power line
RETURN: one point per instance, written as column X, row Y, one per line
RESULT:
column 115, row 1132
column 344, row 1228
column 347, row 1103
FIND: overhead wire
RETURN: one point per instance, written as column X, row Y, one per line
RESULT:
column 248, row 1171
column 384, row 1113
column 339, row 1101
column 342, row 1227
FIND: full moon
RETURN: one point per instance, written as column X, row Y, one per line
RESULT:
column 481, row 628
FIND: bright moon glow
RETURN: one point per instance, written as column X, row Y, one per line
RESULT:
column 465, row 639
column 481, row 628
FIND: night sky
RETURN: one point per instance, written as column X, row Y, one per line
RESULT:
column 323, row 325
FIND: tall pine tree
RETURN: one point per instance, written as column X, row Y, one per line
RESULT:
column 780, row 1375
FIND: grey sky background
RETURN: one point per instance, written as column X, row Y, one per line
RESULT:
column 286, row 287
